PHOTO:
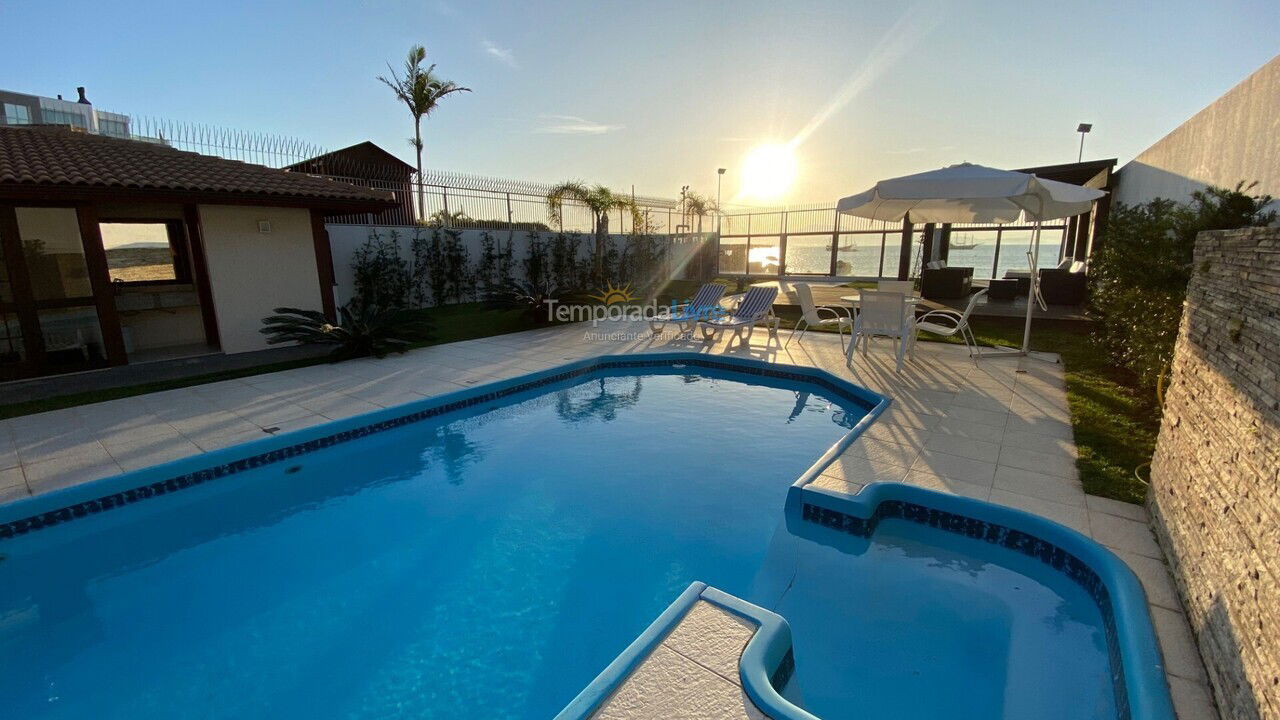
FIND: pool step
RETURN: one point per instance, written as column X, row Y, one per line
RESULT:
column 708, row 655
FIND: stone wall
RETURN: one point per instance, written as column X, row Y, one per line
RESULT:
column 1216, row 474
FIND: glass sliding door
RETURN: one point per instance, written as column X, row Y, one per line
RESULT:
column 49, row 310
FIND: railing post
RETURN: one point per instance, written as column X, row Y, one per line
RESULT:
column 835, row 243
column 904, row 253
column 444, row 192
column 511, row 226
column 782, row 243
column 995, row 261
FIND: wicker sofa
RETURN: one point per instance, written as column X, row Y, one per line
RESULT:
column 946, row 283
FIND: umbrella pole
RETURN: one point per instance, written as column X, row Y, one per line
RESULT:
column 1031, row 287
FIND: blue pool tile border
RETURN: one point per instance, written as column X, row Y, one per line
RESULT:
column 993, row 533
column 354, row 430
column 1137, row 668
column 768, row 661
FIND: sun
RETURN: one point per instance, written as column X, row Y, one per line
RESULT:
column 768, row 171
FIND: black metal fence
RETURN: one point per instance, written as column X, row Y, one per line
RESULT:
column 797, row 240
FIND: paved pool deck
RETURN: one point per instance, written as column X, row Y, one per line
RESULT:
column 995, row 429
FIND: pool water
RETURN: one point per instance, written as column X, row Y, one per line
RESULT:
column 489, row 563
column 918, row 622
column 483, row 566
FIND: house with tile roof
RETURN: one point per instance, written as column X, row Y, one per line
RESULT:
column 117, row 251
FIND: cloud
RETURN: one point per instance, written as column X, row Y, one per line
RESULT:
column 573, row 125
column 504, row 55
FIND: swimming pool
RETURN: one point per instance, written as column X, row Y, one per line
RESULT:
column 486, row 554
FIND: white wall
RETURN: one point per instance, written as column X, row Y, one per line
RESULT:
column 251, row 272
column 162, row 328
column 345, row 239
column 1235, row 138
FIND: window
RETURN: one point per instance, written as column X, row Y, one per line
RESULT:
column 59, row 117
column 54, row 253
column 139, row 252
column 16, row 114
column 113, row 128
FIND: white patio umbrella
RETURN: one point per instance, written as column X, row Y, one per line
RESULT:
column 967, row 193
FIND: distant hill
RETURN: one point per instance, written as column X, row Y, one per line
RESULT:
column 135, row 264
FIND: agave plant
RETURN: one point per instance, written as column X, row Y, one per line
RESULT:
column 360, row 331
column 532, row 296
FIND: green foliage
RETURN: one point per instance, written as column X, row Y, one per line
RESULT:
column 493, row 269
column 361, row 330
column 600, row 200
column 1140, row 273
column 447, row 263
column 382, row 279
column 531, row 296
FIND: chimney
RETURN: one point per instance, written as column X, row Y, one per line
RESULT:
column 83, row 100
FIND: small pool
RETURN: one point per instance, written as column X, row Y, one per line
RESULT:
column 484, row 555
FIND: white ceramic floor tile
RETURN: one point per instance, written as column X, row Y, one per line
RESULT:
column 964, row 447
column 145, row 453
column 1123, row 534
column 954, row 466
column 932, row 481
column 1047, row 487
column 1117, row 508
column 1074, row 517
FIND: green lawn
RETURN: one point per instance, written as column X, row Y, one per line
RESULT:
column 466, row 321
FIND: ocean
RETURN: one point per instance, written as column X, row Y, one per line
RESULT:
column 860, row 260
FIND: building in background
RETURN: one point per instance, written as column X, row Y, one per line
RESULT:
column 22, row 109
column 118, row 252
column 1232, row 140
column 367, row 165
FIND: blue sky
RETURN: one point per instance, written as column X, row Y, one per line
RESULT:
column 659, row 94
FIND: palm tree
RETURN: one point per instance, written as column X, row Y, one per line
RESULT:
column 600, row 200
column 698, row 206
column 420, row 90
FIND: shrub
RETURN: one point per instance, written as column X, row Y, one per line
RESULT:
column 382, row 279
column 361, row 330
column 532, row 296
column 1139, row 275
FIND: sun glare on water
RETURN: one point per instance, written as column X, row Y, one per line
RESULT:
column 768, row 171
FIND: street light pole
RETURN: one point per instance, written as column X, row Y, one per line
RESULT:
column 719, row 177
column 1083, row 130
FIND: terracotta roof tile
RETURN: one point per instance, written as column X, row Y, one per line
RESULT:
column 59, row 157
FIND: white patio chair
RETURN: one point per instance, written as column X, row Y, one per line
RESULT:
column 811, row 315
column 881, row 314
column 704, row 304
column 755, row 308
column 906, row 287
column 949, row 323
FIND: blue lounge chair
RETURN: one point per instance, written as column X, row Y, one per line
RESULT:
column 704, row 306
column 755, row 308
